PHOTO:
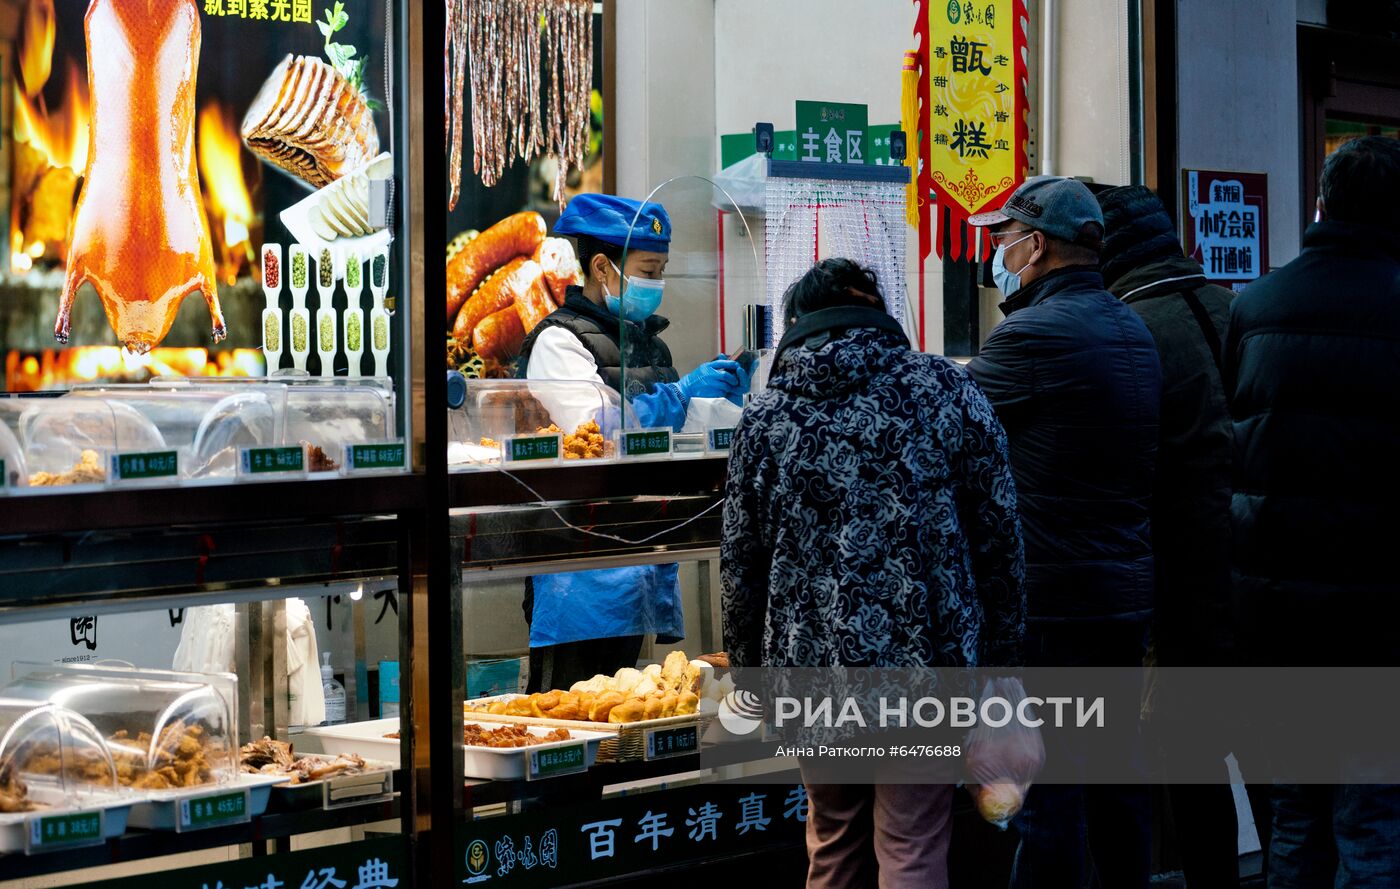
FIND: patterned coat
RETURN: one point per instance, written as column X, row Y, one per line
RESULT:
column 870, row 516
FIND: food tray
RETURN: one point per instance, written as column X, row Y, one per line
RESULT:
column 629, row 741
column 494, row 763
column 374, row 784
column 15, row 829
column 362, row 738
column 165, row 809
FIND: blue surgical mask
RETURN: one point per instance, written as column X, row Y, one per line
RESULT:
column 640, row 300
column 1007, row 281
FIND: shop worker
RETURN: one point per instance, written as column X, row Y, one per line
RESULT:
column 1074, row 376
column 590, row 622
column 585, row 339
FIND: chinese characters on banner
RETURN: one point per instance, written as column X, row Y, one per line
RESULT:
column 630, row 835
column 1224, row 224
column 295, row 11
column 974, row 116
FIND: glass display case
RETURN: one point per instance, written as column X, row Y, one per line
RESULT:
column 532, row 422
column 165, row 730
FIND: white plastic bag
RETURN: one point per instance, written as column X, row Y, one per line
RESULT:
column 1003, row 762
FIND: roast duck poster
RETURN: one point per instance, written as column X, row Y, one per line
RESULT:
column 155, row 143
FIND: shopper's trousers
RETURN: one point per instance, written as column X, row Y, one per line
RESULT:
column 1345, row 836
column 888, row 835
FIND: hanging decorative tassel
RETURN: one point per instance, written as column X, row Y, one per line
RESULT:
column 909, row 122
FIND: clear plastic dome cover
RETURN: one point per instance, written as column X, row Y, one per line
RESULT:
column 49, row 757
column 586, row 414
column 165, row 730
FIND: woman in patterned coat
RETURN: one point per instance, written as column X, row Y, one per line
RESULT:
column 870, row 521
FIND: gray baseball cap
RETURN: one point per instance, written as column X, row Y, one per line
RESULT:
column 1059, row 206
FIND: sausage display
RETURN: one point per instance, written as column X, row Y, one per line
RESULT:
column 497, row 292
column 534, row 305
column 499, row 337
column 561, row 268
column 140, row 235
column 517, row 235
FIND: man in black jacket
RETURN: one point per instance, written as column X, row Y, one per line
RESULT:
column 1075, row 379
column 1312, row 359
column 1143, row 265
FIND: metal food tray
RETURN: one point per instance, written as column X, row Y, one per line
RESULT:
column 15, row 827
column 629, row 745
column 160, row 809
column 374, row 784
column 496, row 763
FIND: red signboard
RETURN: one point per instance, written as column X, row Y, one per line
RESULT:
column 1225, row 224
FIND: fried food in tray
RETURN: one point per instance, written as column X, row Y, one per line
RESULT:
column 14, row 795
column 586, row 442
column 505, row 736
column 270, row 757
column 87, row 470
column 184, row 757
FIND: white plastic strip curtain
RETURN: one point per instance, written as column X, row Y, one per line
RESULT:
column 863, row 221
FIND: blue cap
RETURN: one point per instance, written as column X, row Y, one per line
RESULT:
column 609, row 219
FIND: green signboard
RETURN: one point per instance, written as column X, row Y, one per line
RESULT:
column 555, row 761
column 646, row 443
column 257, row 461
column 219, row 808
column 832, row 132
column 135, row 466
column 65, row 831
column 531, row 447
column 366, row 457
column 734, row 147
column 720, row 439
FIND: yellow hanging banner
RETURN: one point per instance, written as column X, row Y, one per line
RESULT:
column 975, row 114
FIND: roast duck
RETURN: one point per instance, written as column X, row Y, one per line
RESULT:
column 139, row 231
column 502, row 283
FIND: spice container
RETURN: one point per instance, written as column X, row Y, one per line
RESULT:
column 272, row 323
column 299, row 333
column 354, row 317
column 378, row 316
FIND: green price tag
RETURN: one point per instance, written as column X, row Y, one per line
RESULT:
column 532, row 447
column 555, row 761
column 65, row 831
column 721, row 439
column 135, row 466
column 207, row 811
column 678, row 741
column 256, row 461
column 381, row 455
column 832, row 132
column 647, row 443
column 4, row 476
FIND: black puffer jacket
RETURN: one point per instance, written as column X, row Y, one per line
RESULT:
column 648, row 358
column 1143, row 265
column 1074, row 377
column 1312, row 362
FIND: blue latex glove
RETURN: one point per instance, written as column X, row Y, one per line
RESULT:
column 662, row 406
column 716, row 379
column 736, row 397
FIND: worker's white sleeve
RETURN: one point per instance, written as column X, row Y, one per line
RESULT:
column 559, row 355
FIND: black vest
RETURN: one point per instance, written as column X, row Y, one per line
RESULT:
column 648, row 358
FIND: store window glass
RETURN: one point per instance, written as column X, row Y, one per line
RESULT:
column 201, row 193
column 1340, row 131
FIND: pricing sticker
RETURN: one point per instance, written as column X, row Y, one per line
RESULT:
column 66, row 831
column 210, row 811
column 131, row 466
column 521, row 448
column 676, row 741
column 646, row 443
column 555, row 761
column 262, row 461
column 719, row 439
column 374, row 457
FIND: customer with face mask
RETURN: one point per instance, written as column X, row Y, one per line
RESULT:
column 1074, row 377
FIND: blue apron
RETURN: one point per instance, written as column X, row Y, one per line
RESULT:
column 608, row 602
